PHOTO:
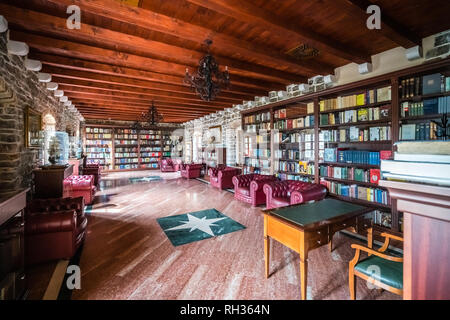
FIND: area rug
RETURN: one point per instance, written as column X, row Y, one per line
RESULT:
column 145, row 179
column 195, row 226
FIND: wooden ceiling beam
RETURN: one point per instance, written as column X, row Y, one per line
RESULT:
column 33, row 21
column 92, row 87
column 390, row 28
column 151, row 20
column 114, row 57
column 143, row 84
column 84, row 65
column 135, row 98
column 246, row 12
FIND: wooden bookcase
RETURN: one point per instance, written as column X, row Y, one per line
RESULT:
column 119, row 148
column 391, row 122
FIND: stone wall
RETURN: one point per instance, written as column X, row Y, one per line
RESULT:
column 19, row 89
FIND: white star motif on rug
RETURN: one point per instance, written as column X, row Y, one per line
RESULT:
column 195, row 223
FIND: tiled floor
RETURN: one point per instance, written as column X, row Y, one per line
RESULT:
column 127, row 256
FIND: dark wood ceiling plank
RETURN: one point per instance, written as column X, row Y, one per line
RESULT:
column 390, row 28
column 54, row 26
column 247, row 12
column 154, row 21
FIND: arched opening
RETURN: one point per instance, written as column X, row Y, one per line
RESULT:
column 49, row 122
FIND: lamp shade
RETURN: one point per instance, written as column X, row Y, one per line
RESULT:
column 52, row 86
column 59, row 93
column 18, row 48
column 44, row 77
column 33, row 65
column 3, row 24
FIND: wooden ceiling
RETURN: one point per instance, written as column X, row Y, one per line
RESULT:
column 128, row 53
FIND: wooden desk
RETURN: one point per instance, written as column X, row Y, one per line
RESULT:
column 305, row 227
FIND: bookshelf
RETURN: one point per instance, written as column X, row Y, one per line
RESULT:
column 257, row 138
column 166, row 145
column 119, row 148
column 98, row 146
column 365, row 118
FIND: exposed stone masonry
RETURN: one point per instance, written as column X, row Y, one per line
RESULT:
column 20, row 88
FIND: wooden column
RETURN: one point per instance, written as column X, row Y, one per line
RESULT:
column 426, row 239
column 316, row 140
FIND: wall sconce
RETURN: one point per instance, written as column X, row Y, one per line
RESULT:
column 365, row 68
column 17, row 48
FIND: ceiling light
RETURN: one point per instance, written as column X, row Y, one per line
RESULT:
column 44, row 77
column 33, row 65
column 58, row 93
column 3, row 24
column 18, row 48
column 52, row 86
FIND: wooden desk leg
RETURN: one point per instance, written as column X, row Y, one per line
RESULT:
column 370, row 239
column 330, row 244
column 266, row 246
column 267, row 254
column 303, row 265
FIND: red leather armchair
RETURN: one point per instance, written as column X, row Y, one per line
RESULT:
column 191, row 171
column 289, row 192
column 222, row 177
column 80, row 186
column 93, row 169
column 249, row 188
column 167, row 165
column 54, row 229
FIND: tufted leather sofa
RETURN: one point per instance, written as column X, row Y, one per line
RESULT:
column 93, row 169
column 222, row 177
column 289, row 192
column 80, row 186
column 249, row 188
column 191, row 171
column 54, row 229
column 168, row 165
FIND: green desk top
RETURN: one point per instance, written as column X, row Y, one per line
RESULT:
column 310, row 213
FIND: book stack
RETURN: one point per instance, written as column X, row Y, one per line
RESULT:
column 353, row 156
column 357, row 192
column 354, row 116
column 429, row 84
column 420, row 131
column 420, row 162
column 426, row 107
column 350, row 173
column 355, row 134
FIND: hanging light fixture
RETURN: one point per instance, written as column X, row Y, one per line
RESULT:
column 150, row 118
column 208, row 81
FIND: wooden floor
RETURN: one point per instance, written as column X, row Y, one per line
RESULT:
column 127, row 255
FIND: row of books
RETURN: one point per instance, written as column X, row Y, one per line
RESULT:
column 126, row 131
column 126, row 160
column 150, row 149
column 125, row 136
column 356, row 156
column 260, row 153
column 98, row 142
column 304, row 122
column 150, row 136
column 150, row 154
column 428, row 106
column 287, row 137
column 150, row 165
column 257, row 127
column 103, row 162
column 149, row 160
column 98, row 130
column 99, row 155
column 352, row 116
column 355, row 100
column 107, row 149
column 296, row 167
column 357, row 192
column 126, row 149
column 150, row 132
column 125, row 142
column 126, row 166
column 257, row 163
column 260, row 117
column 428, row 84
column 125, row 155
column 167, row 154
column 421, row 131
column 346, row 173
column 296, row 177
column 355, row 134
column 287, row 154
column 99, row 136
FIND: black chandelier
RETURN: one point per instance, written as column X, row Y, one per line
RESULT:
column 148, row 119
column 208, row 81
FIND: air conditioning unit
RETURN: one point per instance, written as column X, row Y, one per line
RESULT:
column 441, row 46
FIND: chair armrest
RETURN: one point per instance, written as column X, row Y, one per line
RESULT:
column 360, row 248
column 257, row 185
column 58, row 221
column 230, row 173
column 240, row 181
column 315, row 192
column 387, row 239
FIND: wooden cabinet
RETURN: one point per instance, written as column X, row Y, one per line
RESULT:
column 12, row 272
column 426, row 239
column 48, row 182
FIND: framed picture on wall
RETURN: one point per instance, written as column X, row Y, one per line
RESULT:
column 33, row 125
column 215, row 135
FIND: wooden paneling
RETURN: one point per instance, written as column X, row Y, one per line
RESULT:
column 145, row 49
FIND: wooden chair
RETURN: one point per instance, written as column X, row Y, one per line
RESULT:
column 390, row 276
